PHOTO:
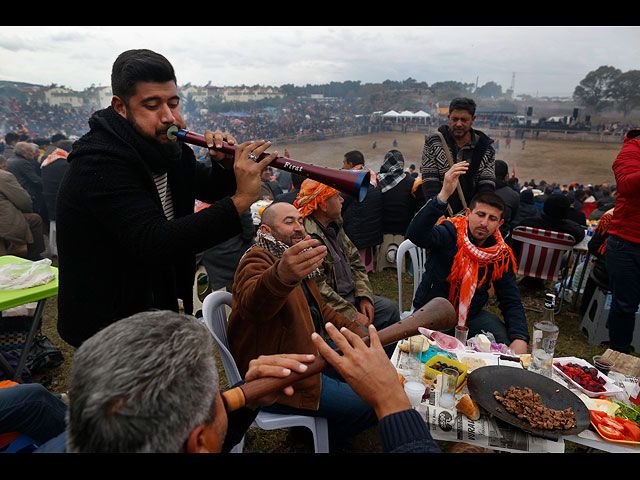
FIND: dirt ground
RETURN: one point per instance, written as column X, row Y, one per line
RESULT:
column 557, row 161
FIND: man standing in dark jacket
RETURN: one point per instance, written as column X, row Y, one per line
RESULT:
column 467, row 255
column 466, row 145
column 511, row 199
column 363, row 220
column 126, row 229
column 26, row 169
column 398, row 205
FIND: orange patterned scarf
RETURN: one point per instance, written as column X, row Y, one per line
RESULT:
column 467, row 262
column 602, row 229
column 312, row 195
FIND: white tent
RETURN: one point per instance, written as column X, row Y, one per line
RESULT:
column 422, row 115
column 406, row 114
column 391, row 114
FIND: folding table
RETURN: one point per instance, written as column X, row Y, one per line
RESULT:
column 15, row 298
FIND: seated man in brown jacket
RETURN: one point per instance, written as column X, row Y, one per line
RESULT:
column 277, row 306
column 21, row 230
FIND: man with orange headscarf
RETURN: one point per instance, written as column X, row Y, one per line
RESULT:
column 466, row 255
column 343, row 280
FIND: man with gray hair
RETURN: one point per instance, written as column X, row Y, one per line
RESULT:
column 25, row 168
column 149, row 384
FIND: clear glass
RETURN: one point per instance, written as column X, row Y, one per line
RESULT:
column 461, row 334
column 603, row 364
column 449, row 386
column 416, row 345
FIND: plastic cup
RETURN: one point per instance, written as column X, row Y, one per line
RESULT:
column 603, row 364
column 415, row 390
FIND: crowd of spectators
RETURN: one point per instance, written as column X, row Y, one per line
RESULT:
column 305, row 117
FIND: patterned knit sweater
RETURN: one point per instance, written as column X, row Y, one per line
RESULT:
column 478, row 152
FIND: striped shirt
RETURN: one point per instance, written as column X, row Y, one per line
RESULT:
column 165, row 194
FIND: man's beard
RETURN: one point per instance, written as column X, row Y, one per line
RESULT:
column 168, row 148
column 289, row 240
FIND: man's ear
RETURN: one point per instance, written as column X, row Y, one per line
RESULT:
column 195, row 442
column 467, row 211
column 119, row 106
column 265, row 229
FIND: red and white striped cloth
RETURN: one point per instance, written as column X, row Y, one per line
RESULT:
column 542, row 251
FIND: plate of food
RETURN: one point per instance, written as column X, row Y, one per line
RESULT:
column 614, row 421
column 529, row 401
column 585, row 377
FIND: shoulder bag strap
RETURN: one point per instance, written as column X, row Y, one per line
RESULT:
column 447, row 152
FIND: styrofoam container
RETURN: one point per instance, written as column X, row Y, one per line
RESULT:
column 610, row 388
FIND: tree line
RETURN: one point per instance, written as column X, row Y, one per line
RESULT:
column 608, row 87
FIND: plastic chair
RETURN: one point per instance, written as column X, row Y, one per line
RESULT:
column 197, row 293
column 214, row 315
column 418, row 256
column 544, row 254
column 595, row 321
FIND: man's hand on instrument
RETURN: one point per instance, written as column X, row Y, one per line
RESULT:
column 451, row 179
column 215, row 139
column 248, row 171
column 296, row 263
column 366, row 369
column 278, row 366
column 366, row 307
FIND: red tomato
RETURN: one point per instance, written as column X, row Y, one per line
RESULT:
column 631, row 429
column 610, row 432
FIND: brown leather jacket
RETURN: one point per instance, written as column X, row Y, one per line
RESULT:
column 270, row 317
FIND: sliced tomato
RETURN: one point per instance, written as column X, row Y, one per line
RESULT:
column 610, row 432
column 631, row 429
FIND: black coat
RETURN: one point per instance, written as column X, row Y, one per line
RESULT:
column 546, row 222
column 52, row 175
column 512, row 201
column 398, row 207
column 362, row 221
column 118, row 253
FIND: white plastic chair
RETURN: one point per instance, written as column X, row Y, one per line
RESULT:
column 197, row 303
column 418, row 257
column 214, row 315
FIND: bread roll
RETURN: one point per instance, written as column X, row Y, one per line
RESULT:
column 468, row 407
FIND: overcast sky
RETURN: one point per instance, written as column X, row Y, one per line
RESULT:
column 547, row 61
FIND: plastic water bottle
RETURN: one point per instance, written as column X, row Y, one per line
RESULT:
column 545, row 335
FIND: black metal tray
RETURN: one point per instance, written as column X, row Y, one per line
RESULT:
column 484, row 381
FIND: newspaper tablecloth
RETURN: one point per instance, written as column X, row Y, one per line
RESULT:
column 492, row 433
